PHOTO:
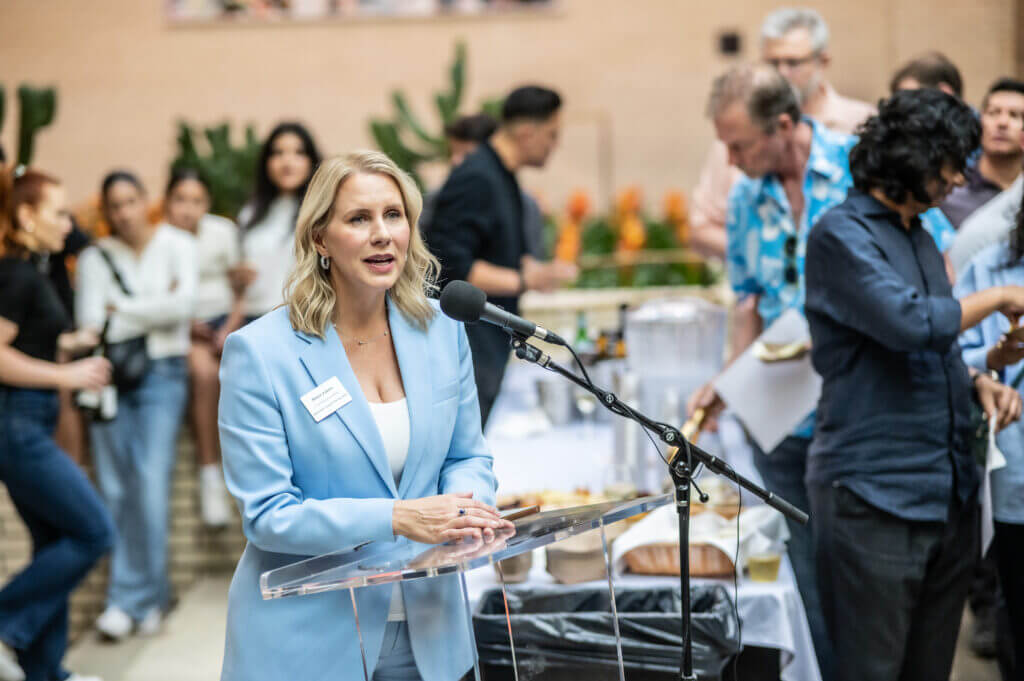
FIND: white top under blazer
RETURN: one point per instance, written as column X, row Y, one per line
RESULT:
column 393, row 423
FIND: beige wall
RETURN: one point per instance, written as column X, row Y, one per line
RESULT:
column 634, row 74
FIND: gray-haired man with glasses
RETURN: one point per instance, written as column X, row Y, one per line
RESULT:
column 796, row 42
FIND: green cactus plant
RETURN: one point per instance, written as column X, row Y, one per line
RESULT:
column 38, row 109
column 492, row 107
column 422, row 146
column 229, row 170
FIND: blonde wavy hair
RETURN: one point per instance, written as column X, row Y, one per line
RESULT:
column 308, row 293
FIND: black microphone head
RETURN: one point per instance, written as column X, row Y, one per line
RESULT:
column 462, row 301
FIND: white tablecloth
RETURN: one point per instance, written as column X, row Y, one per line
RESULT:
column 578, row 455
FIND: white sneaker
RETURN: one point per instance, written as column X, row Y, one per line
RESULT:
column 10, row 670
column 213, row 502
column 152, row 623
column 79, row 677
column 114, row 624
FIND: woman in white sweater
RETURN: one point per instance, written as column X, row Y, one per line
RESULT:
column 287, row 161
column 138, row 283
column 218, row 312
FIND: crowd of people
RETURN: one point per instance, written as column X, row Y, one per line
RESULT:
column 866, row 234
column 133, row 342
column 894, row 228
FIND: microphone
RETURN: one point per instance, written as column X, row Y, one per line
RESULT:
column 464, row 302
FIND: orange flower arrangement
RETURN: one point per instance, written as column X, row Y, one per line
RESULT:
column 570, row 229
column 628, row 201
column 677, row 216
column 632, row 233
column 579, row 205
column 631, row 228
column 155, row 214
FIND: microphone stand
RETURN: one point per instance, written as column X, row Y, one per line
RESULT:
column 680, row 468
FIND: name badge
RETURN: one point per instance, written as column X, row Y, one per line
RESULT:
column 326, row 398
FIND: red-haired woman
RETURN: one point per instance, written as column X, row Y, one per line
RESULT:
column 70, row 527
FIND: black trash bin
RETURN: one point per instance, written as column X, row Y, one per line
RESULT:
column 562, row 632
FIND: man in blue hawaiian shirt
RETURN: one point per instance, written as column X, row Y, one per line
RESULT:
column 795, row 170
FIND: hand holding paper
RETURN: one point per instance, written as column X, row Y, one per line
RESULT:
column 772, row 398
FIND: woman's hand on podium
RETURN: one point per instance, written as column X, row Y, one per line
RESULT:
column 446, row 517
column 463, row 550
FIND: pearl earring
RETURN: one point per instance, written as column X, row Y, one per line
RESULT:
column 325, row 262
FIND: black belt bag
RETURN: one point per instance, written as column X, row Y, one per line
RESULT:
column 129, row 359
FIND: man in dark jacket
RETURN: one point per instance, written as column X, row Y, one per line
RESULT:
column 477, row 230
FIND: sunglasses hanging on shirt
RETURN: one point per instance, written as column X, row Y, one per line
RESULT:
column 790, row 272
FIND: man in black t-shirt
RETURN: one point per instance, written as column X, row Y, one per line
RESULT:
column 477, row 229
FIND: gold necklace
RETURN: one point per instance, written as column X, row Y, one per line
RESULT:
column 360, row 343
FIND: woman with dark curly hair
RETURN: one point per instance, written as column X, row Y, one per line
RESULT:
column 892, row 484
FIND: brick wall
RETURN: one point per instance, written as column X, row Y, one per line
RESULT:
column 194, row 549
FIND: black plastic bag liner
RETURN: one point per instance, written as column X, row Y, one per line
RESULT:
column 571, row 627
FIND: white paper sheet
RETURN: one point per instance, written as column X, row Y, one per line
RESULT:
column 994, row 460
column 771, row 399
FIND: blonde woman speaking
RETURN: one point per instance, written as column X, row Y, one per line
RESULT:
column 402, row 455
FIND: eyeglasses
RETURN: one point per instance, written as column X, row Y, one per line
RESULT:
column 790, row 272
column 792, row 62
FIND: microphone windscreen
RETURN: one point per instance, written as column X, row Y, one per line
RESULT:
column 462, row 301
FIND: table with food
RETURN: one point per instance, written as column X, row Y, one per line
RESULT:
column 552, row 449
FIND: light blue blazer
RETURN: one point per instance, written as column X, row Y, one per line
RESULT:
column 306, row 488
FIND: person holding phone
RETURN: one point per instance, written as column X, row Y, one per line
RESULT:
column 70, row 527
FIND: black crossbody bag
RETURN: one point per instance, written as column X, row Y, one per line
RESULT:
column 129, row 359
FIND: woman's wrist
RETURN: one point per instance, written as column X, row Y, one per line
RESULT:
column 64, row 377
column 398, row 518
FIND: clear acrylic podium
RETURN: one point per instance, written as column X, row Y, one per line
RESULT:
column 375, row 563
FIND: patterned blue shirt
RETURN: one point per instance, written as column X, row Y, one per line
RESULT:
column 759, row 223
column 765, row 248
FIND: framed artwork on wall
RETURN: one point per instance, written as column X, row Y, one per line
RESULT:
column 264, row 11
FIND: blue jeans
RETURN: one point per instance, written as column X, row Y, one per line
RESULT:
column 783, row 473
column 396, row 662
column 134, row 459
column 69, row 525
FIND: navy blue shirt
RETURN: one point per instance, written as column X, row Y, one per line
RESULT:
column 893, row 419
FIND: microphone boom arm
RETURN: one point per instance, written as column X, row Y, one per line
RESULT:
column 680, row 469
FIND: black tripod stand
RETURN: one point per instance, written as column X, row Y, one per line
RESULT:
column 680, row 468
